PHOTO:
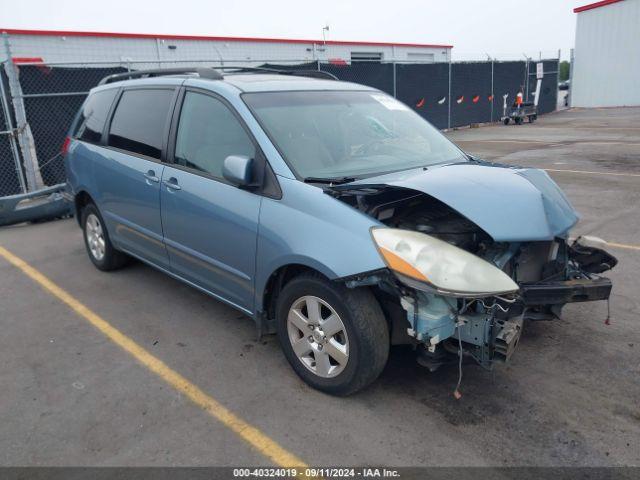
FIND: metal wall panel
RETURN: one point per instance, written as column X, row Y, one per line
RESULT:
column 84, row 49
column 607, row 56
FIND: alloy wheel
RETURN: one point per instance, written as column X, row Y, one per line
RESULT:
column 318, row 336
column 95, row 237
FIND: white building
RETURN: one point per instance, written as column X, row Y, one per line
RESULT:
column 606, row 68
column 64, row 47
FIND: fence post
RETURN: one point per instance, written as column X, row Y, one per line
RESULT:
column 8, row 121
column 449, row 99
column 493, row 95
column 158, row 53
column 25, row 137
column 572, row 60
column 526, row 83
column 395, row 91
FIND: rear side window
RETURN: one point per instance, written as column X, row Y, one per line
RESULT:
column 93, row 115
column 139, row 121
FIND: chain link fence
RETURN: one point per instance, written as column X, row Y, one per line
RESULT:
column 11, row 174
column 449, row 95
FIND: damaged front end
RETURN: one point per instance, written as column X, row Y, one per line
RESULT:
column 454, row 291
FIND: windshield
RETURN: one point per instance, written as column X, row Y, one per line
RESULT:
column 338, row 134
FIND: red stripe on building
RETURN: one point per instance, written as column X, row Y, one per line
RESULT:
column 27, row 59
column 62, row 33
column 591, row 6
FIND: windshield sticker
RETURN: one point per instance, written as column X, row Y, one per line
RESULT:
column 388, row 102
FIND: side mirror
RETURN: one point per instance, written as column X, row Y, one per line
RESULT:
column 237, row 169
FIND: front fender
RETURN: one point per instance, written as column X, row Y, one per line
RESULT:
column 308, row 227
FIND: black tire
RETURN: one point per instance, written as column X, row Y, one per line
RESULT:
column 506, row 121
column 518, row 121
column 532, row 118
column 112, row 259
column 364, row 323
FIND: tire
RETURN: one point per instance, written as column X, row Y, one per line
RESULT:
column 506, row 121
column 532, row 118
column 345, row 356
column 518, row 121
column 101, row 251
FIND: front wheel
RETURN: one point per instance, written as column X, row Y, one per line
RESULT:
column 335, row 338
column 506, row 121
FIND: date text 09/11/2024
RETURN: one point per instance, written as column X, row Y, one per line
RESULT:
column 320, row 472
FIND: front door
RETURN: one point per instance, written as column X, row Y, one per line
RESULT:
column 210, row 226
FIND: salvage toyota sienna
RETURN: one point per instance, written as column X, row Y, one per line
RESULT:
column 329, row 212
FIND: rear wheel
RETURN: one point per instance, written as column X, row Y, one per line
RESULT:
column 335, row 338
column 518, row 120
column 96, row 239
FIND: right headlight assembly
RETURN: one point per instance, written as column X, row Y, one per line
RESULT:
column 438, row 265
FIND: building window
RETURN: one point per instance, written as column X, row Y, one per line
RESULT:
column 366, row 57
column 421, row 57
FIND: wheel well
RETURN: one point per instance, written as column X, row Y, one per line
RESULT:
column 276, row 283
column 393, row 312
column 82, row 200
column 286, row 273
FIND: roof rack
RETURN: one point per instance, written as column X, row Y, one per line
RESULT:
column 202, row 72
column 299, row 73
column 212, row 73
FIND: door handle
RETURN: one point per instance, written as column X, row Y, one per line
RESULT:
column 172, row 184
column 151, row 176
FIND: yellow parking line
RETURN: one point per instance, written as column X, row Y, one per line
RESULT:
column 250, row 434
column 622, row 245
column 593, row 173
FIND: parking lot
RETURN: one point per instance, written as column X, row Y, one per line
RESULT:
column 71, row 395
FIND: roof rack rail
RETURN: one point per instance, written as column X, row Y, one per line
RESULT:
column 210, row 73
column 300, row 73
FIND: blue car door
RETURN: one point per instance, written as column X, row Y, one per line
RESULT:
column 128, row 173
column 210, row 226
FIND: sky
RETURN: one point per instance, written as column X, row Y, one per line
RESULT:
column 503, row 29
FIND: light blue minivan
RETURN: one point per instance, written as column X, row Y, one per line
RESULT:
column 329, row 212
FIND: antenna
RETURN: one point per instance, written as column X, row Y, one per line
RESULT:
column 325, row 29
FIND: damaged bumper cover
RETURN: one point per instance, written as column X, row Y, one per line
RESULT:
column 489, row 329
column 486, row 329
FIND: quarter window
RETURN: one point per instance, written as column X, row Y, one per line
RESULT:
column 94, row 114
column 139, row 121
column 208, row 132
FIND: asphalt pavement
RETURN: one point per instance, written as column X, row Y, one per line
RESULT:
column 570, row 396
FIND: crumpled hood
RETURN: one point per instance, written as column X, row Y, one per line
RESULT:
column 510, row 204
